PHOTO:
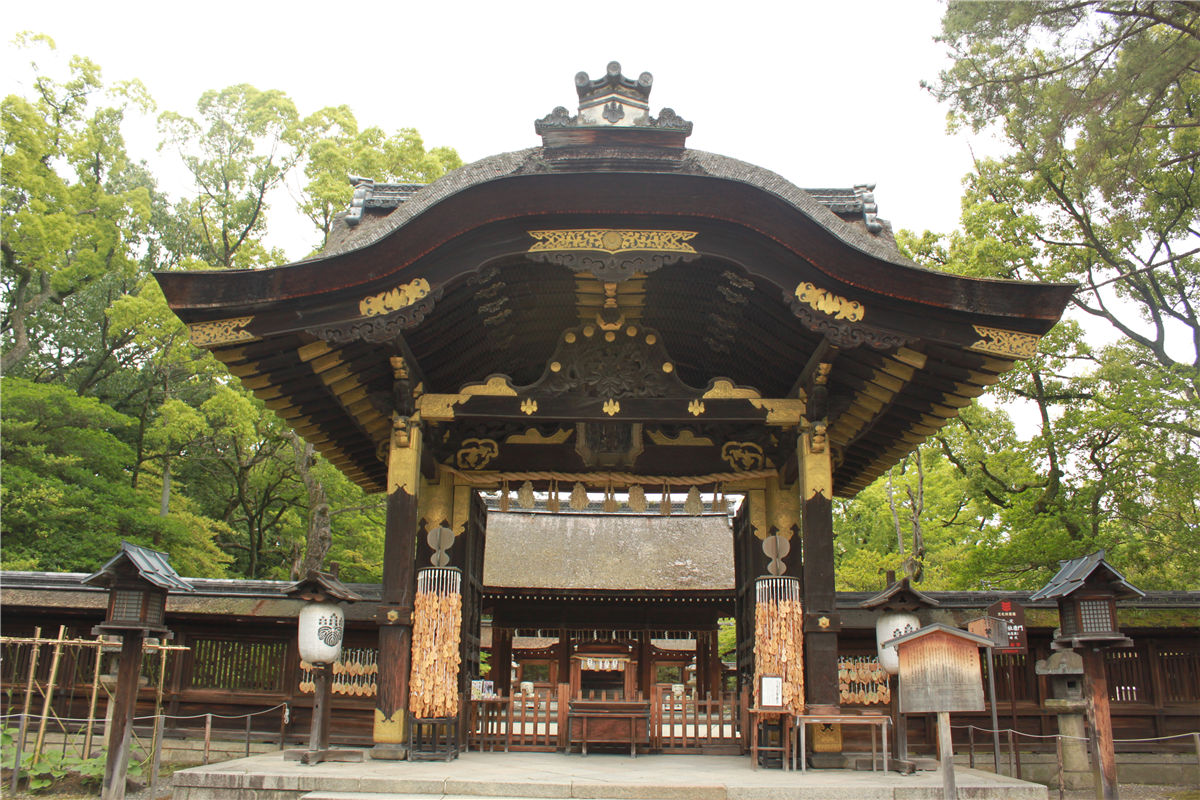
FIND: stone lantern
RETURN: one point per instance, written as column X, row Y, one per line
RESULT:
column 320, row 631
column 138, row 580
column 1086, row 590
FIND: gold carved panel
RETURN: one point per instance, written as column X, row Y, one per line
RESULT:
column 221, row 331
column 829, row 303
column 1013, row 344
column 402, row 296
column 476, row 453
column 612, row 240
column 743, row 456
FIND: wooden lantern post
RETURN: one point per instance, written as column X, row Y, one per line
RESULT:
column 1086, row 589
column 940, row 673
column 137, row 580
column 321, row 632
column 898, row 605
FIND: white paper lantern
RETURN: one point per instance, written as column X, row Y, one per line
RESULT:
column 321, row 626
column 889, row 626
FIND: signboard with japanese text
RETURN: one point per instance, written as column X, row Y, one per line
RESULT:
column 1013, row 613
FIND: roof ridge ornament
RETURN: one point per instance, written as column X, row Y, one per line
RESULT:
column 613, row 103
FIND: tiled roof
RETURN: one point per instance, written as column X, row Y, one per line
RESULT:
column 857, row 202
column 369, row 194
column 150, row 564
column 1074, row 573
column 901, row 591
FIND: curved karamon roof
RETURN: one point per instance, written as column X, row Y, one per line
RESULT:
column 738, row 275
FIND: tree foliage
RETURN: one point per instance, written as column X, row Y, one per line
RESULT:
column 74, row 210
column 114, row 424
column 339, row 149
column 1096, row 103
column 1099, row 103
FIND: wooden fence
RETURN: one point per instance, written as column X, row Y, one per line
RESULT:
column 1154, row 690
column 537, row 721
column 681, row 723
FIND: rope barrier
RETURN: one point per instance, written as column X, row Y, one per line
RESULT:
column 1073, row 738
column 163, row 716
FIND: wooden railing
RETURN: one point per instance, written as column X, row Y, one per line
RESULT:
column 681, row 723
column 534, row 720
column 537, row 721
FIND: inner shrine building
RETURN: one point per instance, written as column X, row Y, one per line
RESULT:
column 614, row 311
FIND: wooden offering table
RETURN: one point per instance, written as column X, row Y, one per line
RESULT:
column 881, row 720
column 608, row 722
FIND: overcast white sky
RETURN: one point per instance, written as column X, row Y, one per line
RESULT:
column 826, row 94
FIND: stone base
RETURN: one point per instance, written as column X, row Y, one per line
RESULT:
column 389, row 752
column 827, row 761
column 317, row 756
column 488, row 776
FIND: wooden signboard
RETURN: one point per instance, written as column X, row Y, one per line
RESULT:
column 1014, row 614
column 940, row 670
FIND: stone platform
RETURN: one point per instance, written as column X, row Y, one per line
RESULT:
column 560, row 776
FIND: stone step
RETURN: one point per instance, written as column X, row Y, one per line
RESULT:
column 393, row 796
column 539, row 792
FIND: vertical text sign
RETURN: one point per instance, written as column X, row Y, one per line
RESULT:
column 1013, row 613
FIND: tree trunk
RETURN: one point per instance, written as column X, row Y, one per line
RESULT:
column 23, row 305
column 320, row 527
column 895, row 515
column 164, row 505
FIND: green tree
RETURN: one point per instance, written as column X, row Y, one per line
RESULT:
column 242, row 146
column 340, row 151
column 74, row 209
column 920, row 519
column 66, row 494
column 1097, row 104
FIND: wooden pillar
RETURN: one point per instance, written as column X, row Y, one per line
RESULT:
column 318, row 735
column 701, row 664
column 946, row 755
column 1100, row 718
column 564, row 656
column 821, row 621
column 715, row 668
column 502, row 660
column 398, row 590
column 116, row 763
column 645, row 665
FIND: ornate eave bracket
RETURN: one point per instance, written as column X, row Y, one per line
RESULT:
column 384, row 315
column 610, row 362
column 216, row 333
column 839, row 319
column 612, row 254
column 621, row 374
column 1011, row 344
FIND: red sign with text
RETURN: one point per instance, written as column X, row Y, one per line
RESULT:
column 1014, row 614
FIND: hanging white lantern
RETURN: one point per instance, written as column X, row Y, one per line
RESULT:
column 321, row 627
column 889, row 626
